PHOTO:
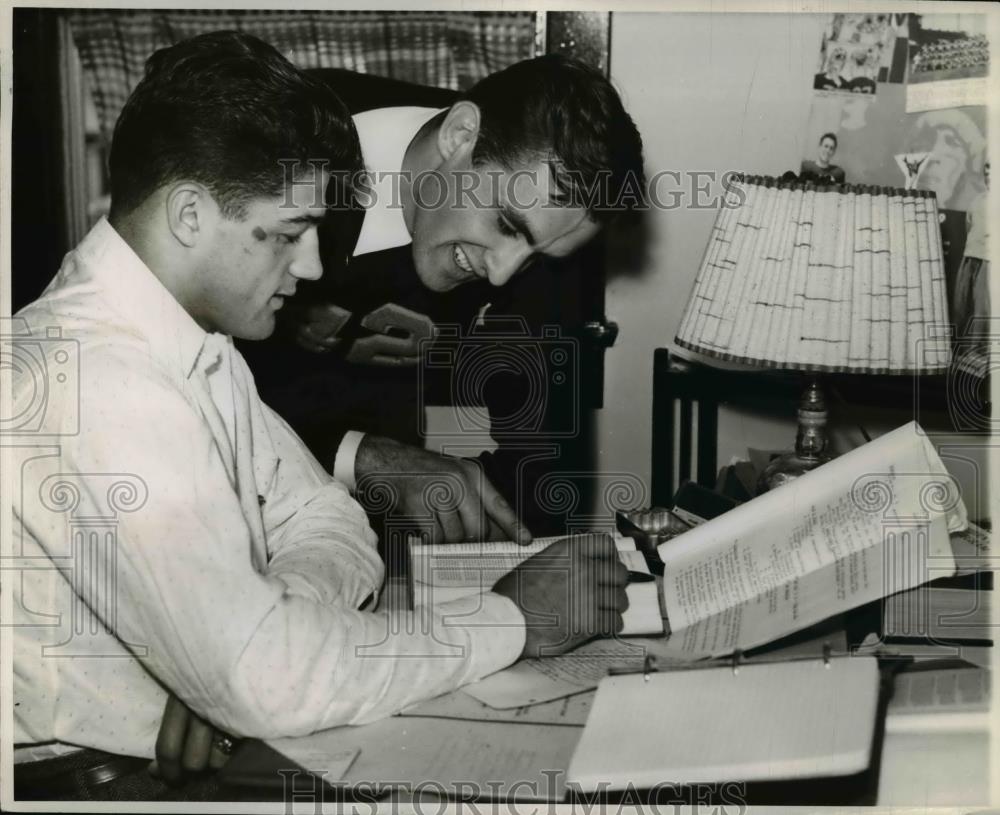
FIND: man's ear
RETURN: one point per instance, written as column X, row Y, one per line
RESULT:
column 459, row 130
column 189, row 207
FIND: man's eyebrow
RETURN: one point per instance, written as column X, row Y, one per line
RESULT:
column 520, row 222
column 303, row 219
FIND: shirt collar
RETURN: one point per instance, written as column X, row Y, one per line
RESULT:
column 137, row 294
column 385, row 134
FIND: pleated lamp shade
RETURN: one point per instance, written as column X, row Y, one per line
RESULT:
column 844, row 279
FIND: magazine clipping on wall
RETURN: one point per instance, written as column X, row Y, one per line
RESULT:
column 859, row 51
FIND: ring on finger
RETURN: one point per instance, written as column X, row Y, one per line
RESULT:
column 224, row 744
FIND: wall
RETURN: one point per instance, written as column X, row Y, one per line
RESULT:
column 710, row 93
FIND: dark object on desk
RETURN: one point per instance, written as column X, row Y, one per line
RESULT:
column 649, row 528
column 255, row 765
column 737, row 481
column 86, row 775
column 95, row 775
column 645, row 528
column 695, row 501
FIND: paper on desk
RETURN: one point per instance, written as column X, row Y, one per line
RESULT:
column 330, row 765
column 923, row 770
column 572, row 710
column 532, row 685
column 451, row 757
column 870, row 523
column 973, row 550
column 541, row 680
column 644, row 615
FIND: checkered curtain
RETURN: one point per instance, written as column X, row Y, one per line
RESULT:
column 445, row 49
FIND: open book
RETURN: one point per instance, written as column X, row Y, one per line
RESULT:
column 868, row 524
column 871, row 523
column 442, row 572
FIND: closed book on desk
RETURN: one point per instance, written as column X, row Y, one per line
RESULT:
column 767, row 722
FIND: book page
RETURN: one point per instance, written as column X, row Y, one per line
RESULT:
column 832, row 589
column 868, row 524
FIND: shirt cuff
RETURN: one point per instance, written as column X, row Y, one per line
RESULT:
column 343, row 463
column 495, row 628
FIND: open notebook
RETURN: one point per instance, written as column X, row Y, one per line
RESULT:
column 442, row 572
column 773, row 721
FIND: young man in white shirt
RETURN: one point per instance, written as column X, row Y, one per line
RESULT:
column 186, row 542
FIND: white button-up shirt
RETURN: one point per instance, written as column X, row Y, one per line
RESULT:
column 172, row 532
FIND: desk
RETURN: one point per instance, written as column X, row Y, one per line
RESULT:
column 433, row 755
column 444, row 750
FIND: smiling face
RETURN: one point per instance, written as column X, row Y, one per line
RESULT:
column 827, row 147
column 251, row 265
column 489, row 223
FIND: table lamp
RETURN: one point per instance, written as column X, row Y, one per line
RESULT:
column 799, row 277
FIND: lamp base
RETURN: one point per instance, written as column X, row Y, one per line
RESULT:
column 810, row 443
column 786, row 467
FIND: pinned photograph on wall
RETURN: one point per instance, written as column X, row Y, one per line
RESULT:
column 949, row 62
column 861, row 50
column 955, row 142
column 911, row 165
column 821, row 169
column 868, row 133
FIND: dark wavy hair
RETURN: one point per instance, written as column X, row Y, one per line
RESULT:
column 561, row 111
column 227, row 110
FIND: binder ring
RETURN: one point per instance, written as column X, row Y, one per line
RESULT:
column 648, row 667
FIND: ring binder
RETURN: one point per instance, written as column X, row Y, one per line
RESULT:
column 649, row 667
column 782, row 720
